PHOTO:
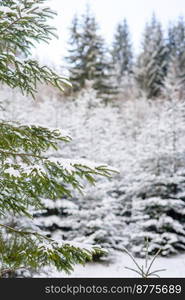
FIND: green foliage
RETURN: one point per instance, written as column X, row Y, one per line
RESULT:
column 152, row 62
column 22, row 23
column 176, row 39
column 122, row 50
column 75, row 54
column 176, row 58
column 24, row 250
column 28, row 172
column 88, row 57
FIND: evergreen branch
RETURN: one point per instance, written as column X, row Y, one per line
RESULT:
column 9, row 26
column 17, row 231
column 25, row 232
column 22, row 154
column 8, row 270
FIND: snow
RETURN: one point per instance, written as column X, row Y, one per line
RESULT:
column 6, row 9
column 59, row 204
column 12, row 172
column 175, row 267
column 29, row 169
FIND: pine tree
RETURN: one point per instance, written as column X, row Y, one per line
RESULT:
column 122, row 55
column 176, row 56
column 75, row 53
column 157, row 197
column 158, row 211
column 28, row 173
column 88, row 58
column 173, row 83
column 176, row 40
column 152, row 62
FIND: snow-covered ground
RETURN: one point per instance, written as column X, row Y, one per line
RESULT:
column 175, row 267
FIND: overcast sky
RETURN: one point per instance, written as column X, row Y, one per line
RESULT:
column 108, row 14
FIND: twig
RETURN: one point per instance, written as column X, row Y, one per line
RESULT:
column 22, row 154
column 133, row 259
column 6, row 271
column 155, row 256
column 25, row 232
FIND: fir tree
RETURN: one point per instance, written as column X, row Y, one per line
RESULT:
column 122, row 51
column 28, row 173
column 173, row 83
column 152, row 62
column 158, row 198
column 88, row 58
column 176, row 55
column 158, row 211
column 176, row 40
column 75, row 53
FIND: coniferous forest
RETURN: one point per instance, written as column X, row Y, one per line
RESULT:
column 92, row 163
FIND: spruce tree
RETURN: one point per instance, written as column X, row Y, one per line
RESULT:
column 28, row 173
column 122, row 55
column 176, row 40
column 173, row 83
column 88, row 56
column 158, row 212
column 152, row 62
column 157, row 198
column 75, row 53
column 176, row 55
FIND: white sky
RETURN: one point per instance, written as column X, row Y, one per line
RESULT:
column 108, row 14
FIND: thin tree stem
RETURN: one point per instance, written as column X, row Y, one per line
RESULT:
column 22, row 154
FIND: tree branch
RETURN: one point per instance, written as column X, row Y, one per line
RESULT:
column 22, row 154
column 25, row 232
column 10, row 25
column 6, row 271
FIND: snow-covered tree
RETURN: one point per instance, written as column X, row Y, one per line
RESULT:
column 152, row 62
column 158, row 214
column 122, row 54
column 174, row 83
column 157, row 193
column 75, row 53
column 176, row 40
column 88, row 56
column 29, row 173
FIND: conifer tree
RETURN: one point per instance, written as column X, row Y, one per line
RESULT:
column 28, row 174
column 173, row 83
column 176, row 55
column 75, row 53
column 122, row 50
column 157, row 198
column 152, row 62
column 88, row 55
column 176, row 39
